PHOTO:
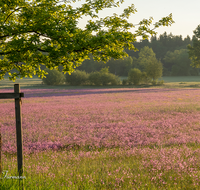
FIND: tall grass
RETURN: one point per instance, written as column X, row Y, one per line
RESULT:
column 135, row 168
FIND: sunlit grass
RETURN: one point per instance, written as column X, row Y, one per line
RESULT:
column 136, row 168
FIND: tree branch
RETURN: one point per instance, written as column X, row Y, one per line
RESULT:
column 12, row 13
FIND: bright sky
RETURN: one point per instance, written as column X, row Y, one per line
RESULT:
column 186, row 14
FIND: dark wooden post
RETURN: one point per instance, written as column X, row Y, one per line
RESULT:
column 18, row 117
column 17, row 96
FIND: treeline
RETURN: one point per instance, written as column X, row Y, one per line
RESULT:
column 148, row 70
column 170, row 50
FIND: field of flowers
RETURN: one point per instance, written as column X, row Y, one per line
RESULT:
column 105, row 138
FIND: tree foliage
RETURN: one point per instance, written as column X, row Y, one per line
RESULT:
column 179, row 59
column 46, row 32
column 154, row 69
column 135, row 76
column 161, row 45
column 166, row 48
column 149, row 64
column 194, row 50
column 121, row 67
column 145, row 54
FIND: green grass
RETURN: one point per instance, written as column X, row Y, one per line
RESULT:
column 179, row 79
column 34, row 82
column 106, row 169
column 182, row 81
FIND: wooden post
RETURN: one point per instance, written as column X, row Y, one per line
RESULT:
column 18, row 130
column 17, row 96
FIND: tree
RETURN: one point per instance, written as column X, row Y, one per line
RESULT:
column 46, row 32
column 194, row 50
column 90, row 65
column 145, row 54
column 120, row 67
column 154, row 69
column 149, row 64
column 179, row 62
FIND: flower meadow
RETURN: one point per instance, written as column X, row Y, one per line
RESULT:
column 130, row 138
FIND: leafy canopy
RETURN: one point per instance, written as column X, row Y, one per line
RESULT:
column 46, row 32
column 179, row 59
column 149, row 64
column 194, row 50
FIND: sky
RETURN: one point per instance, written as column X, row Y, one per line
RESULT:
column 186, row 14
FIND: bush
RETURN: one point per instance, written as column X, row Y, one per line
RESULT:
column 54, row 77
column 144, row 78
column 160, row 82
column 103, row 78
column 95, row 78
column 109, row 78
column 125, row 81
column 114, row 80
column 155, row 82
column 77, row 78
column 135, row 76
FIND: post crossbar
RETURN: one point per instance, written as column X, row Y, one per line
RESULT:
column 11, row 95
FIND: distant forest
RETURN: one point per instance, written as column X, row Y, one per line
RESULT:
column 169, row 49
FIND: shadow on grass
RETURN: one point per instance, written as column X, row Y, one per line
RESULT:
column 77, row 91
column 193, row 86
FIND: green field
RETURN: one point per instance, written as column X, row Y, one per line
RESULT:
column 26, row 82
column 182, row 81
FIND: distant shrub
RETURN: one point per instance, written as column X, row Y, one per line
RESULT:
column 144, row 78
column 95, row 78
column 125, row 81
column 160, row 82
column 154, row 82
column 54, row 77
column 77, row 78
column 109, row 78
column 135, row 76
column 115, row 80
column 103, row 78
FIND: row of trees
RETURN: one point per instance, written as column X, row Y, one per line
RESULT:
column 104, row 77
column 46, row 32
column 148, row 69
column 170, row 50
